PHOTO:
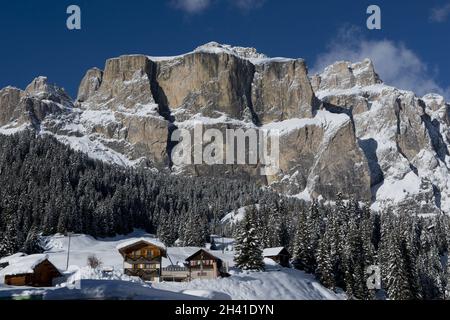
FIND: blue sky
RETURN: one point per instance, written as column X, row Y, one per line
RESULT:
column 411, row 51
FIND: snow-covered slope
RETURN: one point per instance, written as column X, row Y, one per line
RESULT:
column 286, row 284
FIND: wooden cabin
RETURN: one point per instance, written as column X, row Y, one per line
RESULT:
column 280, row 255
column 33, row 270
column 143, row 258
column 204, row 265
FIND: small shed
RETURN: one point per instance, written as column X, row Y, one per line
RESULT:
column 280, row 255
column 33, row 270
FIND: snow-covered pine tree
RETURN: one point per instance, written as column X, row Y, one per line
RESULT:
column 263, row 225
column 431, row 273
column 248, row 249
column 313, row 231
column 393, row 268
column 301, row 242
column 32, row 243
column 324, row 269
column 195, row 231
column 8, row 239
column 166, row 229
column 275, row 230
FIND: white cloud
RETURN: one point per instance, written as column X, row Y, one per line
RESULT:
column 394, row 62
column 191, row 6
column 440, row 14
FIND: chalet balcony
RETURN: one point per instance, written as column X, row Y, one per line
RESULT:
column 142, row 260
column 144, row 274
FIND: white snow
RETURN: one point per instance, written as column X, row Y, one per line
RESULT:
column 150, row 241
column 356, row 90
column 11, row 129
column 325, row 119
column 97, row 117
column 10, row 259
column 236, row 216
column 398, row 190
column 270, row 252
column 286, row 284
column 249, row 54
column 199, row 119
column 94, row 149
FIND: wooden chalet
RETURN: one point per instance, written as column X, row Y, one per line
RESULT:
column 204, row 265
column 280, row 255
column 33, row 270
column 143, row 258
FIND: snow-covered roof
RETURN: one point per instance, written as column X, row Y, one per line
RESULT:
column 270, row 252
column 23, row 265
column 152, row 241
column 11, row 258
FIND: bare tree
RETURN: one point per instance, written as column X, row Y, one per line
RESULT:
column 94, row 262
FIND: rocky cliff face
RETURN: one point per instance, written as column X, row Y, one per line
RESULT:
column 31, row 106
column 404, row 137
column 340, row 131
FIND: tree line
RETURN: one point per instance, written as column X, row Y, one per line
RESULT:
column 339, row 243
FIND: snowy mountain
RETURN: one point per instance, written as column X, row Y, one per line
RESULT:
column 341, row 131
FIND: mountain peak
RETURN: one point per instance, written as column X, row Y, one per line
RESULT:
column 42, row 89
column 346, row 75
column 242, row 52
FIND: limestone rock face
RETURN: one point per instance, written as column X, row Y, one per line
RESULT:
column 39, row 88
column 207, row 83
column 148, row 135
column 321, row 155
column 404, row 138
column 119, row 111
column 345, row 75
column 125, row 83
column 281, row 90
column 39, row 100
column 341, row 166
column 10, row 108
column 90, row 84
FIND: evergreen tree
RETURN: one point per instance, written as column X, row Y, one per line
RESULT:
column 301, row 242
column 166, row 232
column 248, row 249
column 393, row 265
column 430, row 269
column 325, row 269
